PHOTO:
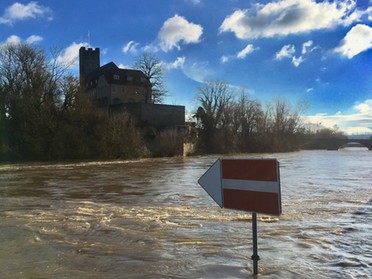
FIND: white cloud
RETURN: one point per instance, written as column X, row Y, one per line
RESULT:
column 290, row 17
column 177, row 64
column 289, row 51
column 359, row 122
column 104, row 51
column 247, row 50
column 365, row 107
column 198, row 71
column 130, row 47
column 151, row 48
column 14, row 39
column 358, row 130
column 69, row 56
column 123, row 66
column 176, row 30
column 306, row 47
column 19, row 12
column 224, row 59
column 286, row 51
column 357, row 40
column 195, row 2
column 369, row 13
column 239, row 55
column 34, row 39
column 296, row 61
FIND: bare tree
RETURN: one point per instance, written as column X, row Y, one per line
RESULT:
column 285, row 125
column 153, row 69
column 33, row 93
column 285, row 119
column 215, row 98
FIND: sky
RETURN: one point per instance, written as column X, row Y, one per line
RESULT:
column 311, row 51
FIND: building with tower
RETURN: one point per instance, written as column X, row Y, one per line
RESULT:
column 116, row 90
column 109, row 86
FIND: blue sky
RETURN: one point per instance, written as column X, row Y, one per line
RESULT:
column 318, row 52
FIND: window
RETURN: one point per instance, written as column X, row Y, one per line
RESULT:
column 116, row 77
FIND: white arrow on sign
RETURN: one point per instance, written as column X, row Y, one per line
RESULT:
column 211, row 182
column 245, row 184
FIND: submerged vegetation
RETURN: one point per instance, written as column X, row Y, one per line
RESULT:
column 44, row 115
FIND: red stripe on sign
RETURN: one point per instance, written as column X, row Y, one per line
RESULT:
column 259, row 202
column 260, row 170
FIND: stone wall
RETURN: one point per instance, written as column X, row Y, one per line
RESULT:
column 156, row 115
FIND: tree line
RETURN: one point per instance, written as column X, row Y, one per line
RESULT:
column 229, row 121
column 45, row 115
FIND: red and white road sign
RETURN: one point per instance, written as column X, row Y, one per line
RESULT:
column 250, row 185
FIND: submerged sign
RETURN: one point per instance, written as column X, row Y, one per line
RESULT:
column 245, row 184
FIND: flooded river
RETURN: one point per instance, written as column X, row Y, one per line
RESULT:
column 150, row 219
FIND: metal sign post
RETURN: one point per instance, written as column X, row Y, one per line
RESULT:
column 245, row 184
column 255, row 256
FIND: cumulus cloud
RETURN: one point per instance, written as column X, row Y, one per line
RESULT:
column 34, row 39
column 358, row 122
column 177, row 64
column 247, row 50
column 198, row 71
column 123, row 66
column 290, row 17
column 365, row 107
column 369, row 13
column 239, row 55
column 176, row 30
column 306, row 47
column 14, row 39
column 289, row 51
column 69, row 56
column 130, row 47
column 357, row 40
column 296, row 61
column 20, row 12
column 286, row 51
column 224, row 59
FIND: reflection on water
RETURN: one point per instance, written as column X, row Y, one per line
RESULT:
column 150, row 219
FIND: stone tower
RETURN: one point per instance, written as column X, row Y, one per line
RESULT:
column 89, row 60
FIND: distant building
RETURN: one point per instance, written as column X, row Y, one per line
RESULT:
column 126, row 90
column 115, row 90
column 109, row 85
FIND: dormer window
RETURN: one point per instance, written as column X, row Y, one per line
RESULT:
column 116, row 77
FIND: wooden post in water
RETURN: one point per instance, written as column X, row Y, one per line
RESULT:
column 255, row 256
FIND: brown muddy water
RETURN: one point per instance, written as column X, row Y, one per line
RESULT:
column 150, row 219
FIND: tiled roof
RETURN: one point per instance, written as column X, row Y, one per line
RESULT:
column 116, row 75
